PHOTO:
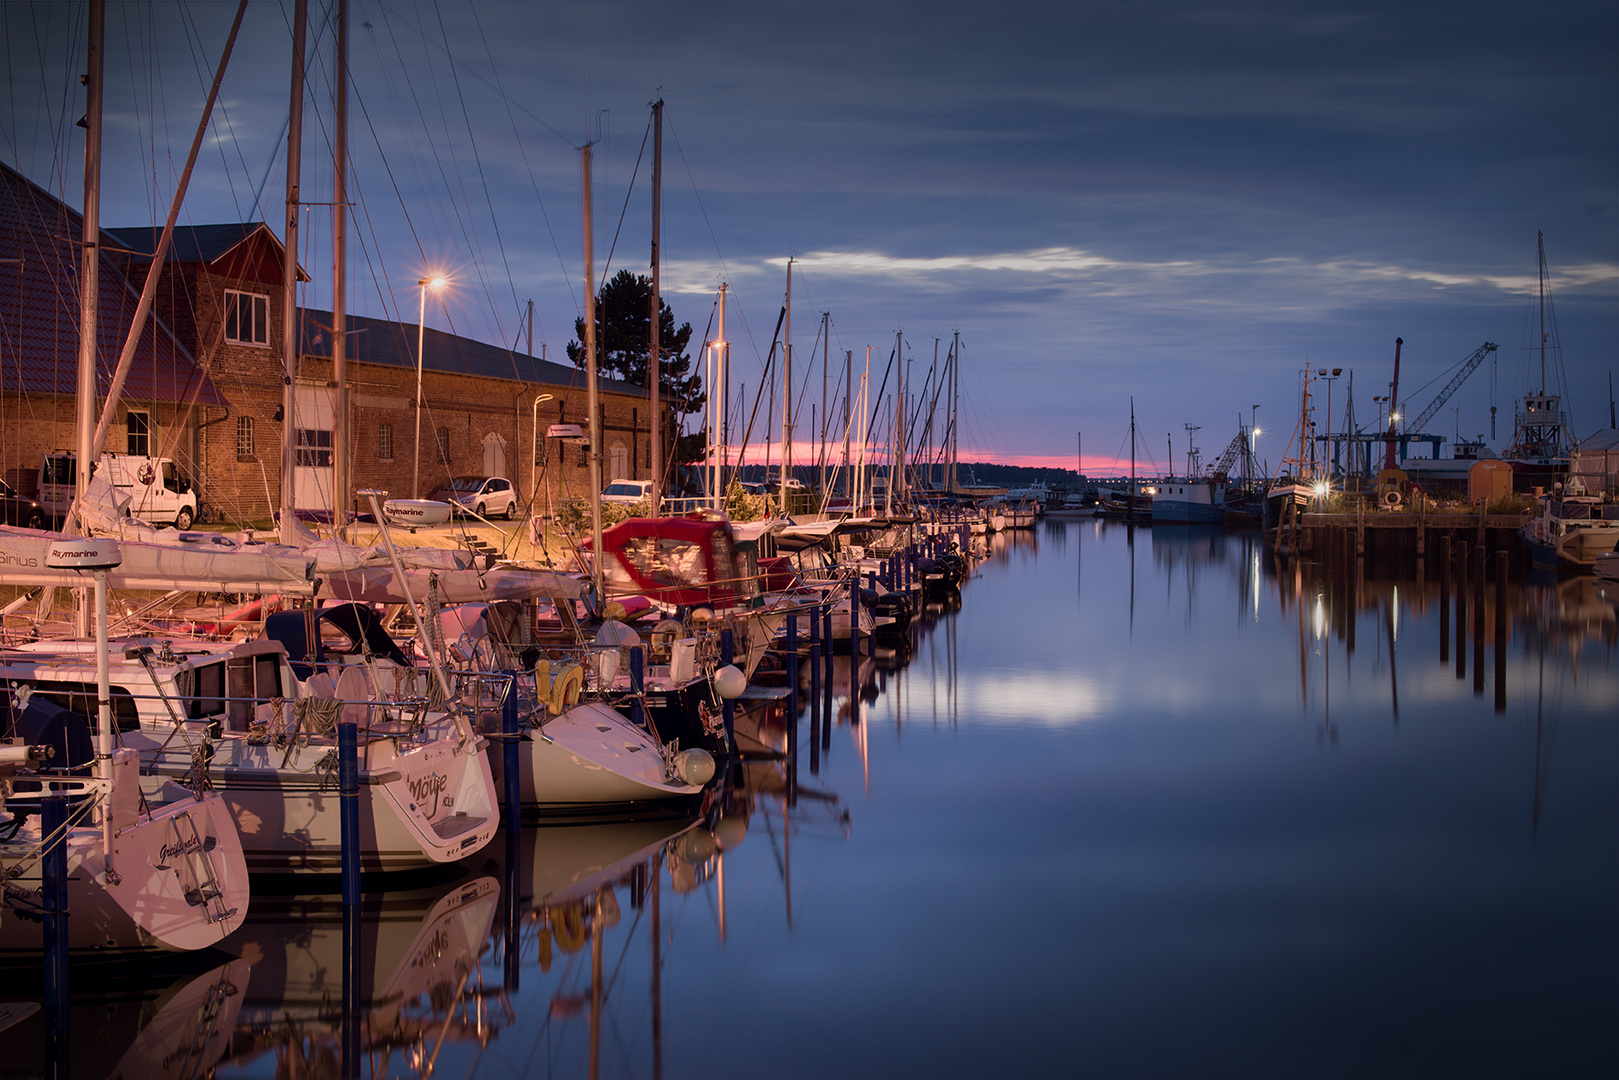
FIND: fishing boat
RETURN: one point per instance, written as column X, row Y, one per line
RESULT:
column 1541, row 437
column 1570, row 532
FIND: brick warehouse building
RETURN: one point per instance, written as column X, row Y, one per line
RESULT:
column 211, row 392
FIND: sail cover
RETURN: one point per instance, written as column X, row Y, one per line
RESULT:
column 203, row 567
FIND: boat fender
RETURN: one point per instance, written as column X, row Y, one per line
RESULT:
column 568, row 927
column 570, row 679
column 694, row 766
column 542, row 678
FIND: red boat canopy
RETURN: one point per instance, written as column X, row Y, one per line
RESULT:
column 683, row 561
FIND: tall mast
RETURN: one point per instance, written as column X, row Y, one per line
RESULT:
column 1132, row 512
column 719, row 436
column 956, row 397
column 289, row 267
column 826, row 353
column 653, row 351
column 897, row 480
column 1540, row 243
column 590, row 378
column 90, row 262
column 787, row 395
column 849, row 391
column 340, row 156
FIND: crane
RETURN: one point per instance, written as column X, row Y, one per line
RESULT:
column 1222, row 467
column 1468, row 367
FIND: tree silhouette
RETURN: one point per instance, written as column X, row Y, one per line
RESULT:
column 623, row 332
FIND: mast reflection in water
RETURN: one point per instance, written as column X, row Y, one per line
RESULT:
column 1135, row 802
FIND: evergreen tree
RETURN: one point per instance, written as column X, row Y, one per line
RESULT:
column 623, row 332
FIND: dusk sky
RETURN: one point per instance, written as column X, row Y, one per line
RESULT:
column 1183, row 204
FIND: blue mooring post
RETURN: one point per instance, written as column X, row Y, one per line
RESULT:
column 348, row 794
column 512, row 825
column 728, row 709
column 637, row 688
column 53, row 874
column 825, row 615
column 792, row 678
column 815, row 702
column 854, row 616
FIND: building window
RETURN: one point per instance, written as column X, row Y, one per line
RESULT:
column 584, row 455
column 247, row 318
column 385, row 442
column 244, row 438
column 139, row 425
column 314, row 448
column 444, row 446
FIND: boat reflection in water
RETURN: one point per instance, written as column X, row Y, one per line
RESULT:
column 419, row 978
column 160, row 1018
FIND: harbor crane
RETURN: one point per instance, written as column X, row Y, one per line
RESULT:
column 1469, row 366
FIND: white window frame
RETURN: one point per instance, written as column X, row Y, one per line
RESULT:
column 144, row 448
column 257, row 307
column 244, row 438
column 385, row 442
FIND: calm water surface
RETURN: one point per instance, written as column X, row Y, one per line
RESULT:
column 1147, row 804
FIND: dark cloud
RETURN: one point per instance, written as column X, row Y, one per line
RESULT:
column 1254, row 185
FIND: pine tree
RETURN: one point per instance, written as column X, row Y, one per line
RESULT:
column 623, row 332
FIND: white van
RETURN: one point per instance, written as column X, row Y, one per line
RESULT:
column 627, row 492
column 158, row 492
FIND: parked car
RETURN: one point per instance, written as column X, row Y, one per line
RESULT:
column 486, row 496
column 16, row 510
column 627, row 491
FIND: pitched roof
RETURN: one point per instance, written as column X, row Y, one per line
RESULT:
column 246, row 249
column 381, row 341
column 39, row 309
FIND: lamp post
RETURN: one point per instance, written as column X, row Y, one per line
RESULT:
column 1330, row 377
column 434, row 283
column 534, row 460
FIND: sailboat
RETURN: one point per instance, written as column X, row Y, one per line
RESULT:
column 141, row 873
column 163, row 869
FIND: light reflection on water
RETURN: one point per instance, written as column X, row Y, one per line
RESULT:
column 1149, row 803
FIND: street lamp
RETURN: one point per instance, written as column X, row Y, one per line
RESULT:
column 434, row 283
column 535, row 459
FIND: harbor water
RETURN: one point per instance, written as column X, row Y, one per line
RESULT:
column 1141, row 802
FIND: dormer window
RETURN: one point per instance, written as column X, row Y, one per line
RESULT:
column 247, row 318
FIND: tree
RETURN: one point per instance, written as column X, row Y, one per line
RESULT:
column 623, row 333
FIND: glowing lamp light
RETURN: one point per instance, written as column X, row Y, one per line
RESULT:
column 1258, row 431
column 1321, row 490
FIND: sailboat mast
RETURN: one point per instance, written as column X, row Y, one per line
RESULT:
column 289, row 262
column 655, row 434
column 90, row 260
column 956, row 399
column 826, row 355
column 1132, row 512
column 787, row 395
column 897, row 468
column 590, row 379
column 848, row 394
column 721, row 431
column 340, row 154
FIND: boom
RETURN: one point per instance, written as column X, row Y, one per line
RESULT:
column 1468, row 367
